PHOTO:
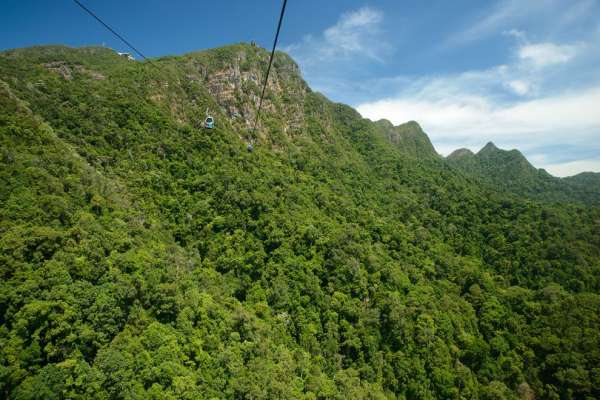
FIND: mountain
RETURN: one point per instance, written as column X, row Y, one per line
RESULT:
column 511, row 171
column 144, row 256
column 460, row 154
column 587, row 179
column 408, row 137
column 503, row 167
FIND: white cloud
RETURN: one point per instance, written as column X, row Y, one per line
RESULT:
column 553, row 117
column 573, row 167
column 545, row 54
column 352, row 34
column 356, row 33
column 519, row 86
column 480, row 117
column 516, row 33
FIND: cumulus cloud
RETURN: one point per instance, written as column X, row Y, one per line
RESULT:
column 479, row 118
column 544, row 54
column 356, row 33
column 519, row 86
column 353, row 34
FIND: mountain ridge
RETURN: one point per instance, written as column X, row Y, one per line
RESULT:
column 511, row 171
column 419, row 142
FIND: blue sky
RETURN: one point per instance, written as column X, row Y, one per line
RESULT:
column 523, row 74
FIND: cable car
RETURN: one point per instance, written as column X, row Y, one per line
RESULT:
column 250, row 148
column 209, row 122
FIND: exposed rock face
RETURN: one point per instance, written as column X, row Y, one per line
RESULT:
column 228, row 86
column 60, row 68
column 236, row 86
column 66, row 71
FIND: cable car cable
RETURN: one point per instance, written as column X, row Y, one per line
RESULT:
column 90, row 12
column 270, row 62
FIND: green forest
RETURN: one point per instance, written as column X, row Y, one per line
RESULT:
column 143, row 256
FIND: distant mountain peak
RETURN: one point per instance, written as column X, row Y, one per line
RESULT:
column 408, row 137
column 413, row 124
column 385, row 123
column 503, row 168
column 494, row 154
column 488, row 148
column 461, row 153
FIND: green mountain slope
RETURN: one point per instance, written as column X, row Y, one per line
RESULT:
column 585, row 182
column 585, row 178
column 510, row 171
column 143, row 256
column 408, row 137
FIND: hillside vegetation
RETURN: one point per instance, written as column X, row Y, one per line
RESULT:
column 144, row 257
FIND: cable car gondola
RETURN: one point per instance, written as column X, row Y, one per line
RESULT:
column 209, row 122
